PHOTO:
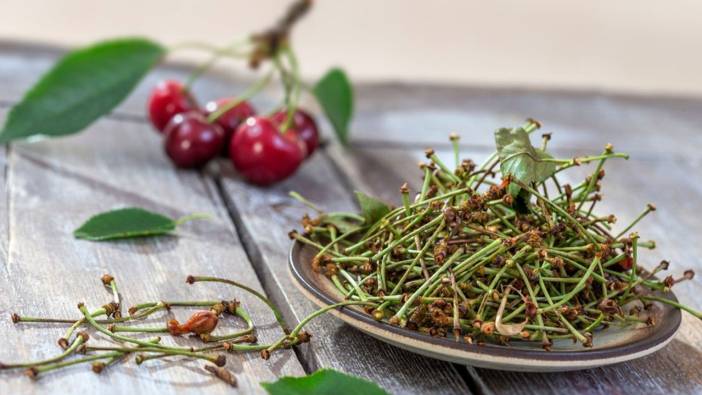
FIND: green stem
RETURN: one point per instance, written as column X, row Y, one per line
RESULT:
column 246, row 95
column 192, row 217
column 116, row 336
column 278, row 315
column 35, row 371
column 79, row 340
column 675, row 304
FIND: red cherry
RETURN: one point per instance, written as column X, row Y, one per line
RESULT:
column 168, row 99
column 262, row 154
column 191, row 141
column 230, row 120
column 305, row 126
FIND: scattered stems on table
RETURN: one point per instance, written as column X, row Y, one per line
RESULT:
column 494, row 252
column 121, row 331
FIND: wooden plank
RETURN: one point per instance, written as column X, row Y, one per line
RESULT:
column 627, row 188
column 393, row 114
column 265, row 217
column 411, row 115
column 52, row 187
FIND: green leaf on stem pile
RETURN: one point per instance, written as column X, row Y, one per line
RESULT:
column 372, row 209
column 335, row 94
column 81, row 87
column 521, row 160
column 127, row 223
column 323, row 382
column 343, row 223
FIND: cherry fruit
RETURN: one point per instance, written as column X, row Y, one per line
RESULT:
column 305, row 126
column 262, row 154
column 230, row 120
column 191, row 141
column 168, row 99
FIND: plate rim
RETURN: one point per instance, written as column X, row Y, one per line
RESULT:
column 497, row 354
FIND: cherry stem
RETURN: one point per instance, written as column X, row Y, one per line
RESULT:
column 80, row 340
column 192, row 217
column 278, row 315
column 208, row 338
column 293, row 334
column 303, row 200
column 229, row 51
column 250, row 92
column 697, row 314
column 34, row 371
column 115, row 336
column 296, row 88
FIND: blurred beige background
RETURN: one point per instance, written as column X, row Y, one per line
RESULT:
column 624, row 45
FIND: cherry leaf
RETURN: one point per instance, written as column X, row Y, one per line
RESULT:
column 323, row 382
column 520, row 160
column 335, row 94
column 81, row 87
column 372, row 209
column 127, row 223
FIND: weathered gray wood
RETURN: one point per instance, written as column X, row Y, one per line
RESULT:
column 397, row 114
column 628, row 186
column 52, row 187
column 264, row 216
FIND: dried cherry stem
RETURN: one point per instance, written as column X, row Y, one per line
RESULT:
column 649, row 208
column 165, row 305
column 100, row 328
column 110, row 282
column 208, row 338
column 276, row 312
column 293, row 335
column 219, row 360
column 400, row 315
column 418, row 258
column 578, row 287
column 455, row 138
column 35, row 371
column 135, row 329
column 695, row 313
column 77, row 343
column 560, row 211
column 552, row 306
column 594, row 177
column 106, row 310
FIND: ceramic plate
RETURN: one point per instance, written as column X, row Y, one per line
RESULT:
column 611, row 346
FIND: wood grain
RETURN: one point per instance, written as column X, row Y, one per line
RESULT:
column 627, row 188
column 419, row 115
column 52, row 187
column 264, row 217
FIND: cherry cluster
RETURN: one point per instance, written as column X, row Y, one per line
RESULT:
column 264, row 149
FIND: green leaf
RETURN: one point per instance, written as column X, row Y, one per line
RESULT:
column 520, row 159
column 81, row 87
column 323, row 382
column 372, row 209
column 344, row 224
column 335, row 94
column 127, row 223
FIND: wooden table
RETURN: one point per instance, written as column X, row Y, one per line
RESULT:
column 51, row 186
